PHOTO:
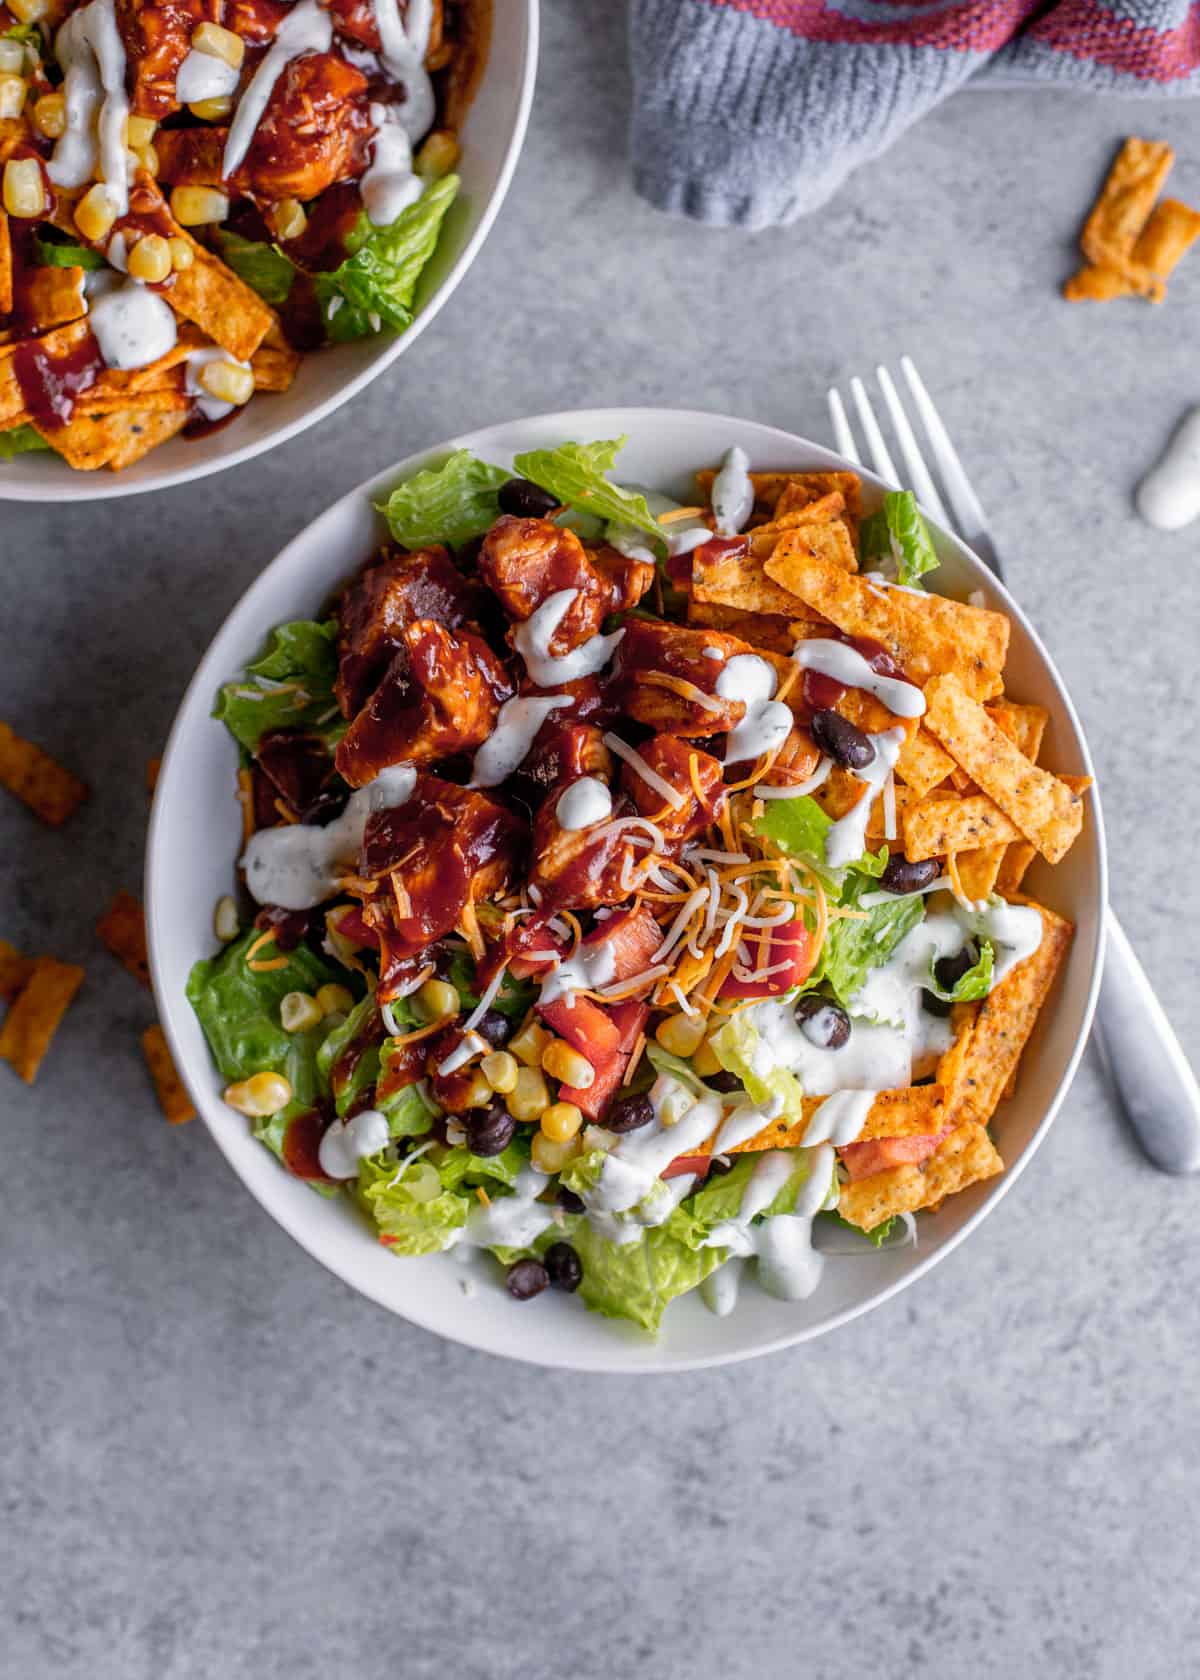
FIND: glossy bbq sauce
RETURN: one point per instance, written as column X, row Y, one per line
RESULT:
column 52, row 380
column 821, row 693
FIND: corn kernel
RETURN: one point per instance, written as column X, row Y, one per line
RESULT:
column 421, row 1182
column 150, row 259
column 212, row 110
column 500, row 1070
column 261, row 1095
column 195, row 206
column 332, row 997
column 12, row 95
column 288, row 218
column 437, row 999
column 529, row 1096
column 705, row 1061
column 226, row 920
column 437, row 156
column 139, row 131
column 566, row 1065
column 529, row 1043
column 29, row 11
column 337, row 1019
column 561, row 1121
column 50, row 115
column 548, row 1156
column 145, row 158
column 12, row 57
column 95, row 213
column 24, row 189
column 182, row 255
column 476, row 1093
column 227, row 381
column 680, row 1035
column 298, row 1011
column 219, row 43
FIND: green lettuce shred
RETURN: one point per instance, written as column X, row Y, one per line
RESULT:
column 447, row 504
column 298, row 668
column 899, row 536
column 576, row 473
column 375, row 286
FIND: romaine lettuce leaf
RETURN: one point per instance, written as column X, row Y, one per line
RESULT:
column 975, row 983
column 800, row 827
column 60, row 253
column 409, row 1112
column 375, row 285
column 899, row 535
column 878, row 1235
column 263, row 267
column 346, row 1084
column 457, row 1166
column 20, row 440
column 734, row 1047
column 576, row 474
column 515, row 997
column 408, row 1226
column 853, row 947
column 447, row 504
column 289, row 686
column 638, row 1280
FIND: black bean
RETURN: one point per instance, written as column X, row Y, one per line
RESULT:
column 842, row 740
column 723, row 1082
column 495, row 1028
column 948, row 971
column 823, row 1022
column 569, row 1201
column 901, row 876
column 489, row 1130
column 526, row 500
column 564, row 1266
column 527, row 1279
column 932, row 1004
column 629, row 1114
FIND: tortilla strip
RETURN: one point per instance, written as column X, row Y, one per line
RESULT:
column 6, row 266
column 39, row 781
column 977, row 870
column 1018, row 855
column 1095, row 285
column 172, row 1093
column 1122, row 210
column 1170, row 233
column 1005, row 1020
column 143, row 431
column 274, row 367
column 122, row 928
column 910, row 1111
column 1044, row 808
column 15, row 970
column 979, row 633
column 764, row 632
column 739, row 580
column 33, row 1020
column 964, row 1158
column 99, row 438
column 922, row 765
column 937, row 825
column 53, row 296
column 805, row 488
column 1024, row 725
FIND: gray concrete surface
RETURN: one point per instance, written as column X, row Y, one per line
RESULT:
column 216, row 1462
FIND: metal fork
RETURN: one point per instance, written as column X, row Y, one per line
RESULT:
column 1148, row 1069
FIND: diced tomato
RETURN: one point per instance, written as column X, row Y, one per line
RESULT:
column 585, row 1026
column 531, row 934
column 790, row 953
column 352, row 925
column 861, row 1160
column 301, row 1146
column 628, row 1019
column 687, row 1164
column 632, row 936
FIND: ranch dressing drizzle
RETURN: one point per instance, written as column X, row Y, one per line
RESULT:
column 585, row 802
column 389, row 184
column 202, row 76
column 506, row 747
column 1169, row 496
column 89, row 49
column 297, row 866
column 212, row 408
column 848, row 836
column 733, row 493
column 306, row 28
column 133, row 326
column 587, row 970
column 637, row 1159
column 681, row 536
column 840, row 1118
column 403, row 45
column 532, row 641
column 788, row 1265
column 513, row 1221
column 846, row 665
column 767, row 722
column 347, row 1142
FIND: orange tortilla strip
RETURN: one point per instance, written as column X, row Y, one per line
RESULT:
column 965, row 1157
column 1170, row 233
column 935, row 826
column 922, row 764
column 762, row 631
column 801, row 489
column 1018, row 855
column 38, row 780
column 980, row 634
column 1023, row 724
column 172, row 1093
column 1095, row 285
column 1122, row 210
column 33, row 1020
column 15, row 970
column 274, row 367
column 53, row 296
column 739, row 580
column 977, row 870
column 96, row 438
column 911, row 1111
column 1044, row 808
column 122, row 928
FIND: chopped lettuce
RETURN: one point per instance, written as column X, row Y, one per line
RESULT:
column 406, row 1225
column 289, row 686
column 576, row 474
column 734, row 1047
column 60, row 253
column 361, row 1027
column 879, row 1234
column 899, row 535
column 263, row 267
column 514, row 998
column 856, row 944
column 28, row 34
column 374, row 287
column 800, row 828
column 975, row 983
column 20, row 440
column 447, row 504
column 409, row 1111
column 458, row 1167
column 638, row 1280
column 663, row 1061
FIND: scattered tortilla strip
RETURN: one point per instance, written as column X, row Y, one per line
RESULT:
column 1043, row 807
column 122, row 928
column 1095, row 285
column 1018, row 855
column 6, row 266
column 964, row 1158
column 153, row 766
column 15, row 970
column 53, row 296
column 274, row 367
column 1170, row 233
column 802, row 489
column 1005, row 1020
column 58, row 343
column 953, row 1061
column 38, row 780
column 739, row 580
column 172, row 1093
column 1025, row 725
column 117, row 439
column 935, row 826
column 33, row 1020
column 911, row 1111
column 980, row 634
column 763, row 632
column 819, row 512
column 977, row 870
column 922, row 764
column 1122, row 210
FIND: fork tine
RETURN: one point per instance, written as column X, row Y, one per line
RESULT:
column 843, row 437
column 880, row 459
column 968, row 513
column 914, row 461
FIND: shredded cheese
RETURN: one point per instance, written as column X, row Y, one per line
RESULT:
column 674, row 797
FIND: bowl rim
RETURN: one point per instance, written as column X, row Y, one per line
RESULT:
column 98, row 487
column 610, row 1358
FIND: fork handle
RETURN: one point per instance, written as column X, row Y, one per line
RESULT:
column 1149, row 1071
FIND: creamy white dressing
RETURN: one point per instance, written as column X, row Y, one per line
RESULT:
column 1169, row 496
column 766, row 723
column 585, row 802
column 848, row 836
column 681, row 536
column 297, row 866
column 788, row 1265
column 532, row 641
column 203, row 75
column 591, row 967
column 682, row 1122
column 733, row 493
column 89, row 50
column 307, row 28
column 840, row 1118
column 133, row 327
column 403, row 43
column 347, row 1142
column 389, row 184
column 513, row 1221
column 469, row 1046
column 507, row 746
column 212, row 408
column 654, row 1209
column 846, row 665
column 1014, row 929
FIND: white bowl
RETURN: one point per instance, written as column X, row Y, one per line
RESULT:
column 194, row 838
column 492, row 135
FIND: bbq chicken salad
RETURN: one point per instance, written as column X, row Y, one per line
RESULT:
column 632, row 890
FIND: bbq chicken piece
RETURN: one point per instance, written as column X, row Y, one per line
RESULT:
column 526, row 561
column 440, row 696
column 157, row 37
column 581, row 868
column 665, row 676
column 561, row 753
column 445, row 848
column 313, row 132
column 256, row 21
column 796, row 760
column 381, row 603
column 356, row 20
column 685, row 768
